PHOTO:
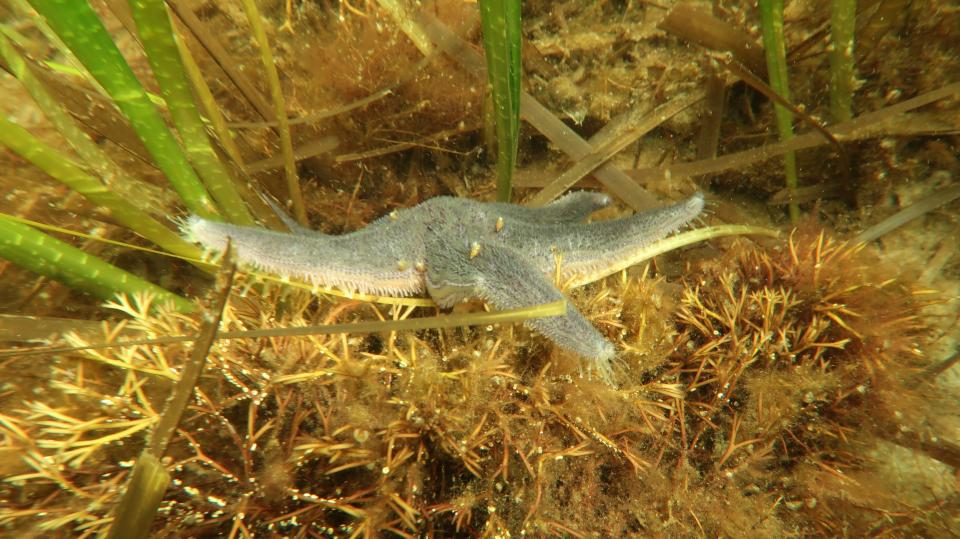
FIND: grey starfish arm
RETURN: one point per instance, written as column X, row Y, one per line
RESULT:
column 353, row 262
column 290, row 222
column 570, row 208
column 575, row 206
column 595, row 250
column 504, row 278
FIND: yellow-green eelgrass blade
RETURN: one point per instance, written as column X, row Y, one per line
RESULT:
column 93, row 157
column 112, row 191
column 50, row 257
column 279, row 109
column 62, row 169
column 78, row 26
column 24, row 11
column 444, row 321
column 225, row 137
column 501, row 43
column 156, row 36
column 138, row 507
column 206, row 100
column 843, row 20
column 771, row 22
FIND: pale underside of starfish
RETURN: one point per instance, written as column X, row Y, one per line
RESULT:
column 455, row 249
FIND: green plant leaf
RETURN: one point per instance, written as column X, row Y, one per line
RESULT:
column 112, row 175
column 501, row 42
column 50, row 257
column 156, row 35
column 771, row 22
column 62, row 169
column 279, row 109
column 138, row 507
column 843, row 21
column 78, row 26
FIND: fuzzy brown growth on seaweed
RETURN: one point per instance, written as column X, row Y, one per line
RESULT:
column 795, row 359
column 356, row 57
column 753, row 394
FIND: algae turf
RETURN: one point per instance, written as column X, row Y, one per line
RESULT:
column 774, row 388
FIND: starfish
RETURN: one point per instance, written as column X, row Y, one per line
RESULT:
column 455, row 249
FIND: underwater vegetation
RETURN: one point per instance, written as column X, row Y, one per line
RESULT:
column 752, row 395
column 798, row 381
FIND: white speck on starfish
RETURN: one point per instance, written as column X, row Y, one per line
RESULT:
column 456, row 248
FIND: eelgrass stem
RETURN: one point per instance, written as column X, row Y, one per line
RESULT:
column 771, row 19
column 138, row 507
column 501, row 43
column 149, row 480
column 225, row 137
column 62, row 169
column 112, row 175
column 843, row 19
column 279, row 109
column 50, row 257
column 83, row 32
column 555, row 308
column 156, row 35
